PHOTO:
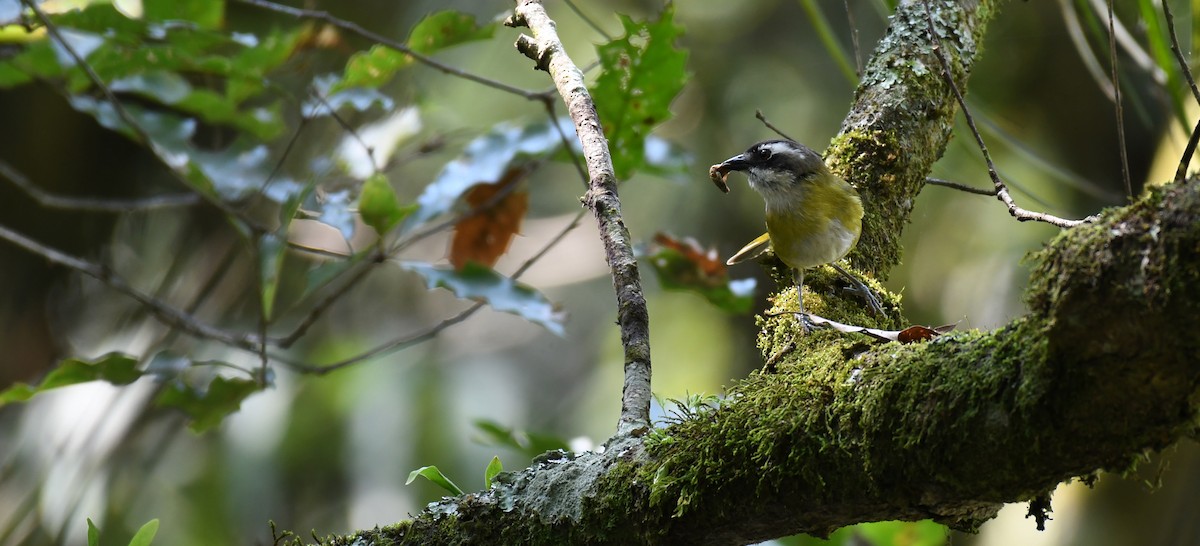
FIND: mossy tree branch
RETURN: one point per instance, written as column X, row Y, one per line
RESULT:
column 902, row 117
column 1103, row 368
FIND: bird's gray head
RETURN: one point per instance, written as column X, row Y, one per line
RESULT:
column 775, row 166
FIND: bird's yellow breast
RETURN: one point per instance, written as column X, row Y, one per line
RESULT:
column 818, row 225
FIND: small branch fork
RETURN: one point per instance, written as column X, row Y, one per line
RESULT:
column 1001, row 192
column 545, row 48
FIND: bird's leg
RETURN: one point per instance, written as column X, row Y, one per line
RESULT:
column 862, row 289
column 806, row 326
column 802, row 315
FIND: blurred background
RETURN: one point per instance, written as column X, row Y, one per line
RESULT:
column 331, row 453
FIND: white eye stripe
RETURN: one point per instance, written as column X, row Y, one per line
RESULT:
column 770, row 149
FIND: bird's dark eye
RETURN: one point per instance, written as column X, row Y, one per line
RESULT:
column 762, row 154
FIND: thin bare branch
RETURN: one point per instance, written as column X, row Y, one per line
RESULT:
column 345, row 125
column 545, row 48
column 960, row 187
column 1141, row 58
column 355, row 28
column 318, row 310
column 1181, row 172
column 1116, row 83
column 858, row 66
column 93, row 204
column 758, row 114
column 588, row 20
column 166, row 313
column 1001, row 190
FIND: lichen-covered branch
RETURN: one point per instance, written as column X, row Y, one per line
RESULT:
column 1104, row 368
column 546, row 49
column 902, row 117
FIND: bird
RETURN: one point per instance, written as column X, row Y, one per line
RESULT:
column 813, row 216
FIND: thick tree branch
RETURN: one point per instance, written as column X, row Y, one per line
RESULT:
column 902, row 117
column 546, row 49
column 1104, row 368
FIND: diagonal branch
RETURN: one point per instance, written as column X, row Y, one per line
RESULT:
column 167, row 314
column 547, row 50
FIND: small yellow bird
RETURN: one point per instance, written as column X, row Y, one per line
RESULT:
column 813, row 216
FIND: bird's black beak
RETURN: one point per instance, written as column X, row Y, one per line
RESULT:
column 721, row 170
column 736, row 163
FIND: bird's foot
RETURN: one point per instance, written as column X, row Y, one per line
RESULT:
column 862, row 290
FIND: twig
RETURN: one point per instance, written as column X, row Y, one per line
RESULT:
column 562, row 135
column 345, row 125
column 1002, row 194
column 858, row 68
column 587, row 19
column 93, row 204
column 391, row 346
column 960, row 187
column 394, row 44
column 166, row 314
column 1188, row 152
column 287, row 151
column 1116, row 83
column 1181, row 172
column 545, row 48
column 318, row 310
column 758, row 114
column 821, row 25
column 1137, row 54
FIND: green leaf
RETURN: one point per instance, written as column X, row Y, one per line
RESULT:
column 372, row 68
column 116, row 368
column 206, row 407
column 145, row 535
column 204, row 13
column 481, row 283
column 233, row 173
column 379, row 206
column 271, row 248
column 447, row 28
column 434, row 475
column 93, row 534
column 439, row 30
column 642, row 72
column 494, row 467
column 486, row 159
column 525, row 442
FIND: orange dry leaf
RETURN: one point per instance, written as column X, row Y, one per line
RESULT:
column 706, row 261
column 484, row 236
